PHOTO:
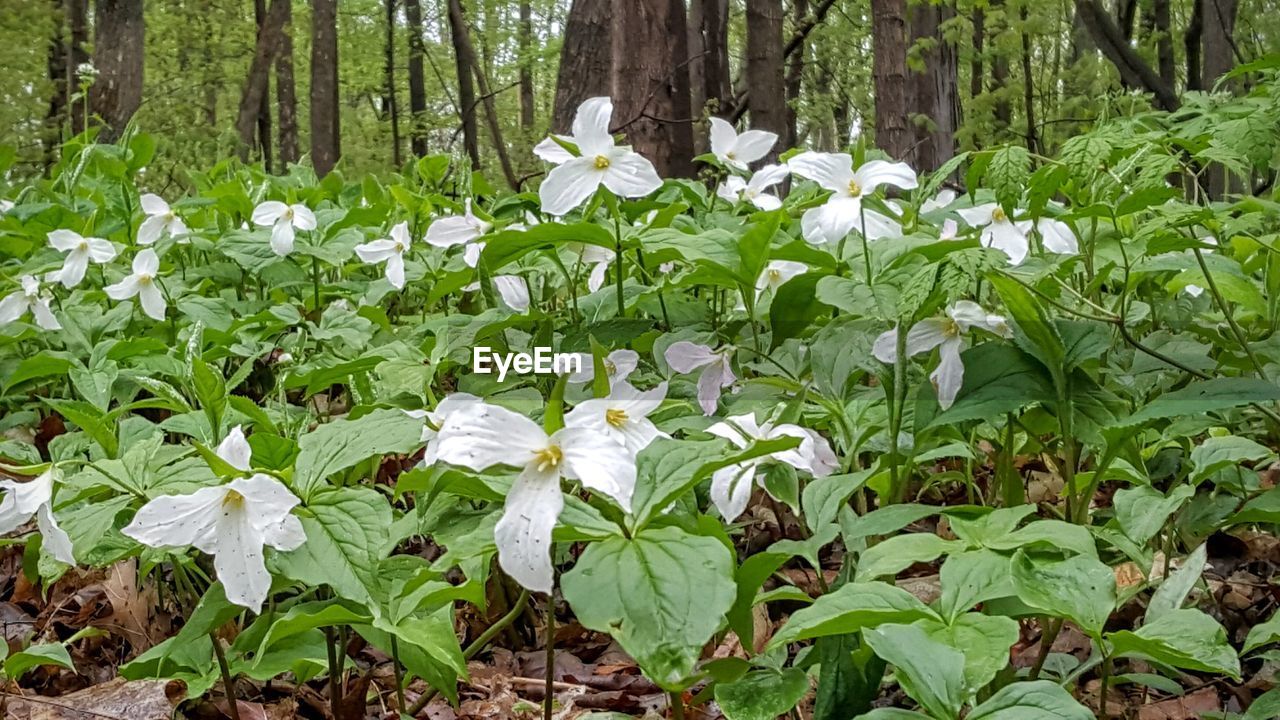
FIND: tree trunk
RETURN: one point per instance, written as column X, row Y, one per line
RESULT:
column 59, row 72
column 525, row 38
column 1191, row 42
column 698, row 75
column 417, row 79
column 1164, row 41
column 715, row 39
column 393, row 110
column 326, row 145
column 1134, row 71
column 256, row 86
column 650, row 83
column 977, row 69
column 287, row 92
column 118, row 56
column 1003, row 115
column 889, row 72
column 795, row 78
column 1028, row 88
column 1219, row 39
column 586, row 60
column 466, row 52
column 466, row 86
column 934, row 92
column 264, row 104
column 767, row 102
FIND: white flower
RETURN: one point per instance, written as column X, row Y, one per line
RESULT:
column 841, row 214
column 160, row 219
column 623, row 416
column 35, row 497
column 731, row 485
column 735, row 188
column 513, row 291
column 599, row 162
column 618, row 365
column 998, row 231
column 29, row 299
column 232, row 522
column 142, row 283
column 434, row 420
column 464, row 229
column 777, row 273
column 283, row 219
column 598, row 258
column 390, row 251
column 739, row 151
column 946, row 334
column 717, row 372
column 481, row 436
column 1057, row 236
column 949, row 230
column 942, row 200
column 1196, row 291
column 80, row 251
column 5, row 206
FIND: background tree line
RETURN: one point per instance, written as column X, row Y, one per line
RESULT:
column 372, row 83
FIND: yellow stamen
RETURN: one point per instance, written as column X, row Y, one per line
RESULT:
column 998, row 215
column 602, row 162
column 145, row 280
column 610, row 368
column 232, row 499
column 616, row 418
column 548, row 457
column 855, row 189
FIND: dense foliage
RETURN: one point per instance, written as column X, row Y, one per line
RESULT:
column 1054, row 387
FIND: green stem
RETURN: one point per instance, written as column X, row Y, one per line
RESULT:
column 228, row 683
column 395, row 667
column 549, row 698
column 315, row 281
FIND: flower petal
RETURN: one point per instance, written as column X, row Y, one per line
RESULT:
column 178, row 520
column 376, row 251
column 926, row 335
column 513, row 291
column 568, row 185
column 73, row 269
column 713, row 377
column 1057, row 237
column 453, row 230
column 885, row 348
column 43, row 315
column 303, row 218
column 978, row 215
column 753, row 145
column 723, row 137
column 832, row 171
column 238, row 561
column 685, row 356
column 146, row 263
column 282, row 237
column 269, row 212
column 151, row 228
column 480, row 436
column 53, row 539
column 630, row 175
column 1005, row 237
column 523, row 533
column 949, row 375
column 266, row 500
column 591, row 126
column 152, row 300
column 13, row 306
column 830, row 222
column 64, row 240
column 598, row 462
column 153, row 204
column 101, row 251
column 395, row 271
column 731, row 489
column 552, row 151
column 235, row 450
column 124, row 289
column 875, row 173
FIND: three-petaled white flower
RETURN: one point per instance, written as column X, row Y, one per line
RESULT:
column 842, row 212
column 35, row 497
column 284, row 220
column 482, row 436
column 160, row 219
column 618, row 366
column 80, row 251
column 946, row 334
column 731, row 486
column 434, row 420
column 941, row 201
column 599, row 162
column 999, row 231
column 29, row 299
column 739, row 151
column 513, row 291
column 1056, row 236
column 598, row 258
column 464, row 229
column 390, row 251
column 142, row 283
column 232, row 522
column 623, row 416
column 776, row 274
column 717, row 369
column 735, row 188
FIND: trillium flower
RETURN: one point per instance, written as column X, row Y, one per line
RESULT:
column 284, row 220
column 161, row 219
column 598, row 258
column 35, row 498
column 941, row 201
column 947, row 334
column 739, row 151
column 80, row 252
column 142, row 283
column 1196, row 291
column 731, row 486
column 232, row 522
column 842, row 213
column 949, row 230
column 623, row 416
column 777, row 273
column 735, row 188
column 998, row 230
column 29, row 299
column 434, row 420
column 618, row 365
column 390, row 251
column 464, row 229
column 1057, row 236
column 483, row 436
column 599, row 162
column 513, row 291
column 717, row 372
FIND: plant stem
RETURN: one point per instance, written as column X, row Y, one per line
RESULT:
column 228, row 684
column 677, row 705
column 1046, row 642
column 315, row 281
column 335, row 689
column 395, row 667
column 548, row 701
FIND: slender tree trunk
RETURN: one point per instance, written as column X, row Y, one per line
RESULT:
column 466, row 86
column 1000, row 76
column 934, row 91
column 1028, row 87
column 466, row 51
column 889, row 72
column 1219, row 39
column 257, row 84
column 977, row 69
column 393, row 110
column 767, row 102
column 586, row 60
column 1192, row 41
column 326, row 145
column 651, row 83
column 1134, row 71
column 77, row 22
column 698, row 75
column 60, row 97
column 118, row 56
column 417, row 79
column 715, row 38
column 525, row 39
column 795, row 77
column 287, row 92
column 1128, row 10
column 211, row 80
column 1164, row 41
column 264, row 104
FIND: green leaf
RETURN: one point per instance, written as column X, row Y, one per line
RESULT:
column 998, row 379
column 17, row 664
column 928, row 671
column 970, row 578
column 1080, row 588
column 1007, row 174
column 794, row 307
column 1034, row 700
column 761, row 694
column 98, row 425
column 1173, row 591
column 508, row 246
column 1204, row 396
column 983, row 639
column 753, row 245
column 347, row 529
column 341, row 444
column 852, row 607
column 895, row 554
column 1186, row 639
column 1034, row 327
column 211, row 391
column 661, row 595
column 1142, row 511
column 1219, row 453
column 1264, row 634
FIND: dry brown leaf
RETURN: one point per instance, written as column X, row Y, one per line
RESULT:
column 132, row 608
column 118, row 699
column 1187, row 707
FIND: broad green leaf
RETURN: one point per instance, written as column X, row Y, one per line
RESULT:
column 1173, row 591
column 1218, row 453
column 852, row 607
column 895, row 554
column 1205, row 396
column 1035, row 700
column 1080, row 588
column 347, row 529
column 1186, row 639
column 983, row 639
column 1142, row 511
column 794, row 307
column 17, row 664
column 998, row 378
column 761, row 694
column 1263, row 634
column 969, row 578
column 341, row 444
column 930, row 672
column 1034, row 327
